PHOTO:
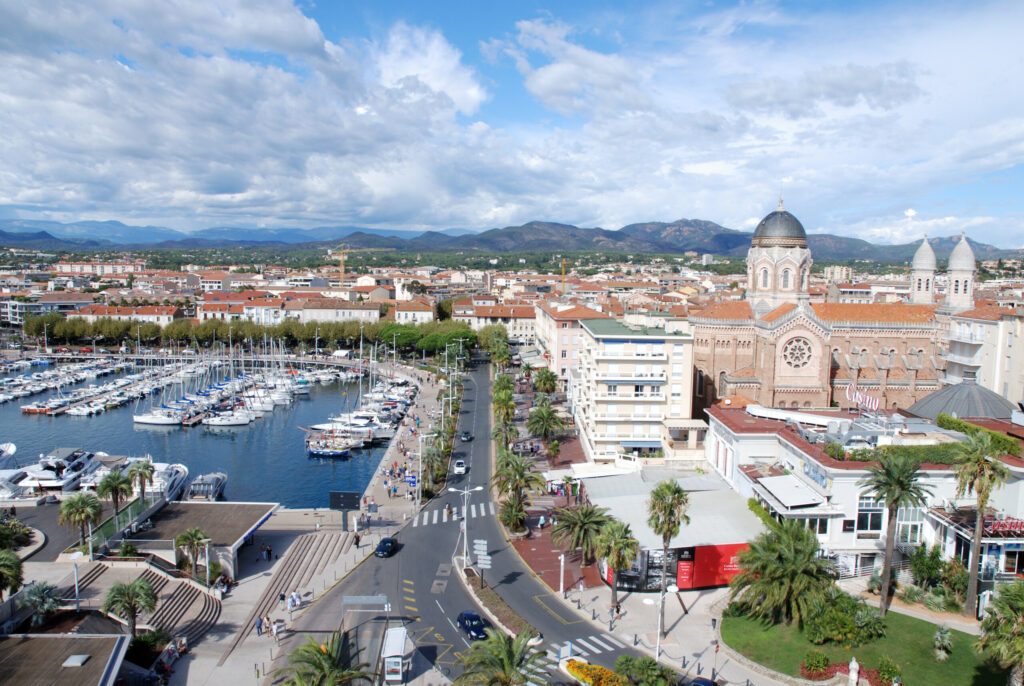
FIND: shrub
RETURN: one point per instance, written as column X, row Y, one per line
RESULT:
column 888, row 670
column 911, row 594
column 815, row 665
column 595, row 675
column 1001, row 442
column 943, row 643
column 955, row 577
column 845, row 620
column 645, row 671
column 835, row 451
column 127, row 550
column 926, row 566
column 14, row 534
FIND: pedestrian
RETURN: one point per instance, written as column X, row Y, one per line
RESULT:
column 289, row 604
column 270, row 553
column 267, row 623
column 280, row 599
column 259, row 626
column 618, row 610
column 297, row 598
column 273, row 632
column 358, row 538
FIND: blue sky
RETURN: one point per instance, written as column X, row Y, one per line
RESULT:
column 878, row 120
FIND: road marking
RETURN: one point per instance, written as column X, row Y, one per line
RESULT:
column 472, row 510
column 439, row 607
column 540, row 600
column 435, row 516
column 411, row 608
column 426, row 515
column 611, row 639
column 575, row 649
column 416, row 521
column 491, row 505
column 444, row 515
column 438, row 586
column 444, row 569
column 408, row 599
column 595, row 640
column 408, row 583
column 588, row 646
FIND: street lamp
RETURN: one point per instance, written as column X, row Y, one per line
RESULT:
column 465, row 522
column 671, row 588
column 206, row 543
column 419, row 472
column 75, row 557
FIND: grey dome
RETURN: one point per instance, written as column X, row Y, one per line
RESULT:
column 965, row 399
column 962, row 257
column 924, row 258
column 780, row 228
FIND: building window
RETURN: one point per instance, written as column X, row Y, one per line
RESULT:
column 764, row 278
column 785, row 278
column 909, row 522
column 1013, row 563
column 956, row 286
column 700, row 384
column 565, row 354
column 797, row 352
column 869, row 514
column 818, row 525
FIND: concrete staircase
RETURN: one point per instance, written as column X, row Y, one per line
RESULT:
column 85, row 578
column 188, row 611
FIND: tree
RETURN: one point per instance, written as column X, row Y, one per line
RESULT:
column 513, row 475
column 434, row 462
column 192, row 541
column 503, row 382
column 617, row 545
column 513, row 512
column 10, row 572
column 894, row 481
column 666, row 514
column 578, row 528
column 81, row 510
column 545, row 381
column 505, row 433
column 44, row 599
column 978, row 471
column 645, row 671
column 141, row 474
column 504, row 406
column 499, row 660
column 544, row 422
column 116, row 486
column 781, row 576
column 130, row 599
column 320, row 664
column 1002, row 630
column 554, row 447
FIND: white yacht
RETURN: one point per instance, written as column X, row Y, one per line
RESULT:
column 168, row 479
column 60, row 471
column 161, row 415
column 231, row 418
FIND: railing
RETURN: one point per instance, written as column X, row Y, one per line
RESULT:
column 629, row 417
column 112, row 526
column 969, row 360
column 630, row 396
column 631, row 375
column 630, row 356
column 964, row 337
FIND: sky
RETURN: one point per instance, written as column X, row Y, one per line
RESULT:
column 880, row 120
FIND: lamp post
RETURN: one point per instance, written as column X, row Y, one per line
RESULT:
column 206, row 544
column 75, row 557
column 419, row 472
column 672, row 588
column 465, row 521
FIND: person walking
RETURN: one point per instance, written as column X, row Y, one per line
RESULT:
column 259, row 626
column 267, row 623
column 358, row 538
column 274, row 632
column 280, row 599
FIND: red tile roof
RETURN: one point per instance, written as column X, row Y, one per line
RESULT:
column 892, row 313
column 778, row 312
column 728, row 309
column 986, row 313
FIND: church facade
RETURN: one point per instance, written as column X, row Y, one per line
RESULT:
column 779, row 350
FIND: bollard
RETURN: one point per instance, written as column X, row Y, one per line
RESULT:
column 593, row 615
column 636, row 640
column 257, row 668
column 685, row 662
column 713, row 674
column 700, row 670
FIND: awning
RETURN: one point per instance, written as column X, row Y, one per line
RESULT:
column 791, row 491
column 640, row 444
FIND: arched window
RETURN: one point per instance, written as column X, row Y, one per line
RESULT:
column 785, row 278
column 764, row 278
column 919, row 284
column 700, row 383
column 956, row 286
column 927, row 284
column 807, row 403
column 967, row 286
column 721, row 385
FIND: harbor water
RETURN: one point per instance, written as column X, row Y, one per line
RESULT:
column 265, row 461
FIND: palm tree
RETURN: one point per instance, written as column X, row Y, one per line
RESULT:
column 781, row 577
column 192, row 541
column 513, row 475
column 44, row 599
column 505, row 433
column 130, row 599
column 978, row 471
column 543, row 422
column 499, row 660
column 434, row 462
column 619, row 547
column 545, row 381
column 894, row 481
column 115, row 486
column 554, row 447
column 320, row 664
column 141, row 474
column 578, row 528
column 513, row 512
column 666, row 514
column 80, row 509
column 504, row 406
column 1002, row 631
column 503, row 382
column 10, row 572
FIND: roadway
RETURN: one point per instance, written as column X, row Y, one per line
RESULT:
column 420, row 579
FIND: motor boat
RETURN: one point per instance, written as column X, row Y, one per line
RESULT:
column 61, row 470
column 230, row 418
column 168, row 479
column 208, row 486
column 163, row 416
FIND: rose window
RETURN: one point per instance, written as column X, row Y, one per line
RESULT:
column 797, row 352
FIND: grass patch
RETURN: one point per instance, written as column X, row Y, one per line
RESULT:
column 908, row 641
column 497, row 605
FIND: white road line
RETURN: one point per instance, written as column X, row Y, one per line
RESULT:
column 444, row 515
column 587, row 646
column 491, row 506
column 576, row 650
column 435, row 516
column 426, row 516
column 611, row 639
column 552, row 655
column 416, row 521
column 472, row 510
column 596, row 641
column 440, row 608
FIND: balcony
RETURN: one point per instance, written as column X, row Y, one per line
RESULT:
column 656, row 417
column 650, row 397
column 965, row 360
column 630, row 356
column 631, row 375
column 965, row 337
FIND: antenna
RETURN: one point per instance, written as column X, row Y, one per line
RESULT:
column 782, row 205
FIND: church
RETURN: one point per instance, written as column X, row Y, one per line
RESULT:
column 778, row 349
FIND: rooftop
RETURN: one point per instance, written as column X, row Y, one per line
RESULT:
column 224, row 523
column 38, row 660
column 616, row 327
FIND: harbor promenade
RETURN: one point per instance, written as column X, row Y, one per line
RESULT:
column 312, row 550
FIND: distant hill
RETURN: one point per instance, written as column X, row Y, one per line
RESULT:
column 537, row 236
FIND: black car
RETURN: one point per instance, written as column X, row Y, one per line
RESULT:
column 386, row 547
column 473, row 625
column 466, row 437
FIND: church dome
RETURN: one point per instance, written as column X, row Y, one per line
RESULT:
column 962, row 257
column 780, row 228
column 924, row 258
column 965, row 399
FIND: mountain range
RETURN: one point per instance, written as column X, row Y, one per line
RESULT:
column 679, row 236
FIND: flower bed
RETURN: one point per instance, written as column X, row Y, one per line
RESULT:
column 836, row 668
column 594, row 675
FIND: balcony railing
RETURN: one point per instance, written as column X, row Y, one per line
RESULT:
column 631, row 396
column 630, row 356
column 967, row 337
column 629, row 417
column 968, row 360
column 661, row 376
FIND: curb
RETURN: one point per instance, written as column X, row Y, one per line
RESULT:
column 38, row 543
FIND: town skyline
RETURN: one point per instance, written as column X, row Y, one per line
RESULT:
column 413, row 118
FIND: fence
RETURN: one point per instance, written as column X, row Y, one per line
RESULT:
column 116, row 525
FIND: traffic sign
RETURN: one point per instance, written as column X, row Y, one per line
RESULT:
column 411, row 479
column 483, row 563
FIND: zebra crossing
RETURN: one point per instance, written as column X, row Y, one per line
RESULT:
column 440, row 515
column 540, row 670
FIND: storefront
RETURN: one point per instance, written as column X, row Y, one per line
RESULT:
column 706, row 566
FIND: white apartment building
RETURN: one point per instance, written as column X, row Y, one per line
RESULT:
column 838, row 273
column 116, row 267
column 559, row 335
column 778, row 458
column 331, row 310
column 413, row 312
column 161, row 315
column 632, row 394
column 518, row 320
column 987, row 344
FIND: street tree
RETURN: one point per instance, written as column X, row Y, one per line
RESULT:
column 577, row 528
column 617, row 545
column 80, row 510
column 130, row 599
column 499, row 660
column 1002, row 630
column 666, row 514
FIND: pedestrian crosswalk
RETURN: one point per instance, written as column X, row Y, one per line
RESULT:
column 441, row 516
column 547, row 663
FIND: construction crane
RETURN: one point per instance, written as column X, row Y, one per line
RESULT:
column 341, row 265
column 563, row 278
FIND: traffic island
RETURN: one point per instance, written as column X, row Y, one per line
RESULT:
column 494, row 606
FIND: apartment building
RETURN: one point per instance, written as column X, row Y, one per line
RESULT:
column 632, row 393
column 14, row 309
column 160, row 315
column 331, row 310
column 559, row 335
column 986, row 344
column 413, row 312
column 112, row 268
column 518, row 320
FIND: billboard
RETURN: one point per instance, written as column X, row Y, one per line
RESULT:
column 708, row 566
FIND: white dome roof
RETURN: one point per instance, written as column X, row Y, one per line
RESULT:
column 962, row 257
column 924, row 258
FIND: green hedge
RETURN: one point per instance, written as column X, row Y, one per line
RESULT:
column 943, row 453
column 1004, row 443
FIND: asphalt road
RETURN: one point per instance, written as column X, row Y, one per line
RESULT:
column 420, row 579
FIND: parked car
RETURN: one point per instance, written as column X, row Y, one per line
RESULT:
column 473, row 625
column 63, row 350
column 460, row 467
column 386, row 547
column 85, row 349
column 466, row 437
